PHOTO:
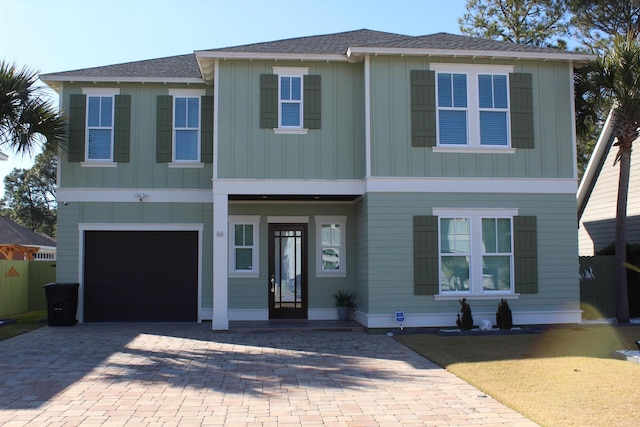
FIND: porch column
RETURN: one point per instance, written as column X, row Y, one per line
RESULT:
column 220, row 320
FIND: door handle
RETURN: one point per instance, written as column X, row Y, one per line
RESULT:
column 273, row 284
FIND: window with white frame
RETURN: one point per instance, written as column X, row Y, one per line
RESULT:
column 475, row 251
column 243, row 242
column 331, row 236
column 290, row 91
column 472, row 106
column 186, row 124
column 100, row 114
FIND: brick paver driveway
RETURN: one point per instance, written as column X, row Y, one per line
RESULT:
column 185, row 374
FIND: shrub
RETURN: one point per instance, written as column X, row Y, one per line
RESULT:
column 504, row 319
column 465, row 323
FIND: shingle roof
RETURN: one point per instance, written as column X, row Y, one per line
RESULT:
column 185, row 67
column 333, row 44
column 14, row 234
column 172, row 67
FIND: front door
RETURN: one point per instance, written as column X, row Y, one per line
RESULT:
column 287, row 271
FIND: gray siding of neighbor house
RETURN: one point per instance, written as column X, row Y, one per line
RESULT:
column 597, row 224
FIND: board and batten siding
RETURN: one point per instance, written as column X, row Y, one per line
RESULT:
column 390, row 249
column 334, row 151
column 72, row 214
column 392, row 153
column 597, row 223
column 142, row 170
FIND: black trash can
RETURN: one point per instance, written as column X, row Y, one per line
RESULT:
column 62, row 303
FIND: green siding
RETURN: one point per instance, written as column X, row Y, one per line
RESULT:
column 390, row 233
column 142, row 170
column 334, row 151
column 393, row 150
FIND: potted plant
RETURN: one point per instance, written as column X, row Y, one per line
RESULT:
column 344, row 302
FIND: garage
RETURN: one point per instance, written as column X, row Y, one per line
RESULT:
column 140, row 276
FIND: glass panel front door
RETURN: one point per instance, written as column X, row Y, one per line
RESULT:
column 287, row 271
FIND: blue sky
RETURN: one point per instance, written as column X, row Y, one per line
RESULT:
column 61, row 35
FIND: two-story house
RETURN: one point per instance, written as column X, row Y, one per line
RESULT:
column 254, row 182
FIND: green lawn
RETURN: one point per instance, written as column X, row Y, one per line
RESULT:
column 25, row 322
column 563, row 376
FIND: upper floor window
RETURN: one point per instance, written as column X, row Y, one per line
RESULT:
column 100, row 104
column 290, row 100
column 186, row 124
column 331, row 235
column 472, row 106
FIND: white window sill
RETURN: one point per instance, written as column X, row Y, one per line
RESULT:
column 475, row 297
column 247, row 275
column 290, row 131
column 331, row 274
column 98, row 164
column 474, row 150
column 185, row 165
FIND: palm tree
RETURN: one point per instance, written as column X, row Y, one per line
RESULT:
column 27, row 118
column 614, row 79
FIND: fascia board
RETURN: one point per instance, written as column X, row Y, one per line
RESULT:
column 269, row 56
column 72, row 79
column 354, row 52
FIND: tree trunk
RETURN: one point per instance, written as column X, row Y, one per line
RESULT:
column 622, row 297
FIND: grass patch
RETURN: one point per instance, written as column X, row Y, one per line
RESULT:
column 25, row 322
column 561, row 377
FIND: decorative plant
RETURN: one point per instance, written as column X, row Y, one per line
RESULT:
column 464, row 322
column 504, row 320
column 343, row 298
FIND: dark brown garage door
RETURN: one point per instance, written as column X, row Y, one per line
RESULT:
column 141, row 276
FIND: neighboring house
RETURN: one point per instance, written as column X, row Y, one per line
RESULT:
column 598, row 197
column 254, row 182
column 20, row 243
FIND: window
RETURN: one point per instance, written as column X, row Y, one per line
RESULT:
column 475, row 251
column 330, row 234
column 100, row 111
column 290, row 100
column 472, row 106
column 186, row 125
column 243, row 241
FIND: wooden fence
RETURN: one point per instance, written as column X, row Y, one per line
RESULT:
column 21, row 285
column 597, row 287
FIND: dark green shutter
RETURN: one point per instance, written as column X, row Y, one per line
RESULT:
column 206, row 131
column 521, row 94
column 268, row 101
column 425, row 255
column 423, row 108
column 312, row 102
column 77, row 127
column 122, row 128
column 164, row 129
column 525, row 251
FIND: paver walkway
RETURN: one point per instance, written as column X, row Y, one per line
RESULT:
column 185, row 374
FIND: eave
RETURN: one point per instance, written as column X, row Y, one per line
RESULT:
column 55, row 82
column 356, row 54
